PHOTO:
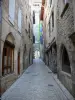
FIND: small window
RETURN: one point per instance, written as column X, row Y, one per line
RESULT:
column 29, row 28
column 19, row 20
column 50, row 3
column 26, row 23
column 11, row 10
column 65, row 1
column 52, row 21
column 64, row 7
column 49, row 28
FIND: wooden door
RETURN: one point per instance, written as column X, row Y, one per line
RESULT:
column 7, row 60
column 19, row 63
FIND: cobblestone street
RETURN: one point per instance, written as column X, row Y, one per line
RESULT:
column 37, row 83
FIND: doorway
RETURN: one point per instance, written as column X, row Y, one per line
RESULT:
column 18, row 63
column 8, row 59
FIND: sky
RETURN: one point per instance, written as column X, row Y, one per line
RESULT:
column 36, row 6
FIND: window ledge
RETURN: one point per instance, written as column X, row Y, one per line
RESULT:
column 11, row 21
column 64, row 10
column 19, row 30
column 67, row 74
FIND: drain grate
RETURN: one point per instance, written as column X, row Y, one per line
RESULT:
column 35, row 75
column 49, row 72
column 51, row 85
column 27, row 73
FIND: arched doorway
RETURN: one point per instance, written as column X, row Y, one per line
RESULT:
column 29, row 56
column 18, row 62
column 65, row 60
column 8, row 55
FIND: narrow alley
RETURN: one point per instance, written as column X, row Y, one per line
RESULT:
column 37, row 83
column 37, row 49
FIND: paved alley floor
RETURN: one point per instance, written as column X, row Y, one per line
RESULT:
column 37, row 83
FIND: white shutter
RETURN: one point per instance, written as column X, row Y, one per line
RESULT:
column 66, row 1
column 19, row 20
column 11, row 10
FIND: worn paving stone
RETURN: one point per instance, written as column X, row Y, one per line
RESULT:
column 35, row 84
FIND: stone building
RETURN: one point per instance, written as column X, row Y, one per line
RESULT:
column 59, row 40
column 65, row 43
column 15, row 40
column 50, row 32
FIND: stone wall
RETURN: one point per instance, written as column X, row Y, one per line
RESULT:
column 50, row 34
column 65, row 27
column 20, row 39
column 64, row 34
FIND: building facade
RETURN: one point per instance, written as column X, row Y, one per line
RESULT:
column 59, row 40
column 15, row 40
column 50, row 34
column 65, row 43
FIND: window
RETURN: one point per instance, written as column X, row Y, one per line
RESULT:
column 64, row 6
column 49, row 28
column 52, row 21
column 65, row 61
column 26, row 19
column 50, row 3
column 29, row 30
column 19, row 20
column 11, row 11
column 33, row 17
column 65, row 1
column 26, row 24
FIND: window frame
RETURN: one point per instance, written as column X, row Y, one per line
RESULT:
column 65, row 7
column 50, row 3
column 49, row 28
column 19, row 20
column 11, row 11
column 52, row 21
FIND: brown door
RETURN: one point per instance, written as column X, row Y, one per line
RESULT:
column 19, row 63
column 7, row 66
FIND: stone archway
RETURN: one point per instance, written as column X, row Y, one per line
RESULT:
column 65, row 60
column 8, row 55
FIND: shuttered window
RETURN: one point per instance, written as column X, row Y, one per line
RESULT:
column 11, row 10
column 19, row 20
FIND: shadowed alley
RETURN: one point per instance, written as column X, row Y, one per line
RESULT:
column 37, row 83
